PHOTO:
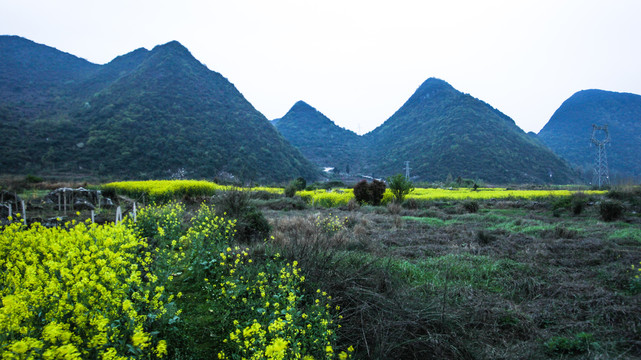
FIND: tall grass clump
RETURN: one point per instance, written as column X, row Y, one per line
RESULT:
column 610, row 210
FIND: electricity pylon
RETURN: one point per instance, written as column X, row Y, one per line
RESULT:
column 601, row 173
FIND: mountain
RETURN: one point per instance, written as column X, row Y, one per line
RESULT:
column 146, row 114
column 321, row 141
column 569, row 131
column 442, row 132
column 32, row 75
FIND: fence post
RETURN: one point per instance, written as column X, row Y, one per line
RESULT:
column 92, row 218
column 64, row 196
column 134, row 211
column 118, row 214
column 24, row 213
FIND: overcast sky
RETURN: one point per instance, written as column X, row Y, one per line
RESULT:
column 359, row 61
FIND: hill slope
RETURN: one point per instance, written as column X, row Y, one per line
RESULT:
column 442, row 132
column 144, row 115
column 569, row 130
column 321, row 141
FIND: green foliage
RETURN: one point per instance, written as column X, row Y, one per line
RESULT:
column 290, row 190
column 578, row 344
column 251, row 224
column 400, row 187
column 295, row 185
column 579, row 202
column 32, row 179
column 300, row 183
column 610, row 210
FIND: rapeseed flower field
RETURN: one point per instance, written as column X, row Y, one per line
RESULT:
column 77, row 292
column 166, row 190
column 86, row 291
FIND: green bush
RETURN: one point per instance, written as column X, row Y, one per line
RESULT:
column 399, row 186
column 290, row 190
column 251, row 225
column 578, row 203
column 32, row 179
column 471, row 206
column 611, row 210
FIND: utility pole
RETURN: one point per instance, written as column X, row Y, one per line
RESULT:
column 601, row 173
column 407, row 170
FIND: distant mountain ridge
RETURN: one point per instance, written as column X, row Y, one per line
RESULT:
column 320, row 139
column 441, row 132
column 145, row 114
column 569, row 130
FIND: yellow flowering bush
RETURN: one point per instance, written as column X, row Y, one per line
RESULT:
column 273, row 317
column 78, row 292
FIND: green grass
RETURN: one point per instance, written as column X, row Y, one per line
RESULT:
column 434, row 222
column 449, row 271
column 628, row 232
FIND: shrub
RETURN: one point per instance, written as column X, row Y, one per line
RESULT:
column 361, row 192
column 579, row 201
column 251, row 225
column 400, row 186
column 471, row 206
column 352, row 204
column 610, row 210
column 484, row 237
column 290, row 190
column 300, row 183
column 376, row 191
column 369, row 193
column 32, row 179
column 411, row 204
column 394, row 208
column 295, row 185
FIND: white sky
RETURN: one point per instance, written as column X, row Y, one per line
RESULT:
column 359, row 61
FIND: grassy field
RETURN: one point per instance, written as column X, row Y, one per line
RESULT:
column 537, row 276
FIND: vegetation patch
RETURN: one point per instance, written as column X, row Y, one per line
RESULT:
column 628, row 232
column 435, row 222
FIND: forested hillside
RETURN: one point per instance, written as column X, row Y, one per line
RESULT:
column 146, row 114
column 569, row 131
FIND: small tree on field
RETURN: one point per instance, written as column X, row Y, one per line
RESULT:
column 399, row 186
column 297, row 184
